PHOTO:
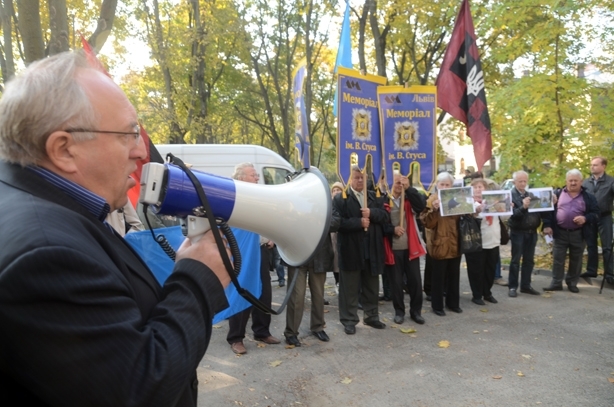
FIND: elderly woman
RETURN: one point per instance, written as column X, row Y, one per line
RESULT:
column 442, row 246
column 481, row 265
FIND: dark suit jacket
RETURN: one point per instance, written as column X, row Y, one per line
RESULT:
column 351, row 235
column 83, row 320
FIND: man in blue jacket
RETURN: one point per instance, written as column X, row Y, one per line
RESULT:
column 575, row 212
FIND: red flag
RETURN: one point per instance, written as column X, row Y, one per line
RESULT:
column 152, row 152
column 460, row 85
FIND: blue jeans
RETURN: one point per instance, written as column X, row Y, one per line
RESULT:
column 279, row 267
column 523, row 246
column 498, row 270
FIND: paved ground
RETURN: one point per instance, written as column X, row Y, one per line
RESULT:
column 551, row 350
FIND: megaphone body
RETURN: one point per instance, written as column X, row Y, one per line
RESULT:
column 295, row 215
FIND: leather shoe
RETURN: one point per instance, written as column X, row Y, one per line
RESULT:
column 293, row 340
column 491, row 299
column 441, row 313
column 478, row 301
column 573, row 288
column 417, row 319
column 321, row 335
column 529, row 290
column 513, row 293
column 350, row 329
column 326, row 302
column 428, row 298
column 586, row 274
column 271, row 340
column 458, row 310
column 398, row 319
column 553, row 288
column 238, row 348
column 282, row 283
column 377, row 324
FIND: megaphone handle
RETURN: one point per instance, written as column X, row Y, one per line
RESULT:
column 196, row 227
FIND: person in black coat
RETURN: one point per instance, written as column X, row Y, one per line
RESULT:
column 84, row 321
column 360, row 251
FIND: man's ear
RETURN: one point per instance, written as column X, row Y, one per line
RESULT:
column 59, row 148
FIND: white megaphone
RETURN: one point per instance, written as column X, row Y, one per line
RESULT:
column 295, row 215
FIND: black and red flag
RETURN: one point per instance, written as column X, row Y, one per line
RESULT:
column 152, row 153
column 460, row 85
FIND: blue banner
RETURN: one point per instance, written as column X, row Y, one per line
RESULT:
column 344, row 52
column 162, row 266
column 408, row 128
column 301, row 130
column 358, row 130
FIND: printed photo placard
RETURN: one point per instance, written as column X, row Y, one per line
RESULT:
column 541, row 199
column 456, row 201
column 497, row 203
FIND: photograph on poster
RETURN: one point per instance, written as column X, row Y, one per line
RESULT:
column 541, row 199
column 497, row 202
column 456, row 201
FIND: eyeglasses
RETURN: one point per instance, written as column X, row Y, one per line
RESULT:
column 136, row 133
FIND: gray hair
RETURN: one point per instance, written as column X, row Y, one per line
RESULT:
column 517, row 173
column 445, row 176
column 574, row 172
column 44, row 98
column 239, row 172
column 355, row 167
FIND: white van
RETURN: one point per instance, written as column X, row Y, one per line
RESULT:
column 220, row 159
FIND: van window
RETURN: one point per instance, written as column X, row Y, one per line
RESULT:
column 274, row 175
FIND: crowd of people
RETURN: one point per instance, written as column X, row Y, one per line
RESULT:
column 385, row 237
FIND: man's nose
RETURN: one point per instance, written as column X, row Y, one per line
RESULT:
column 139, row 151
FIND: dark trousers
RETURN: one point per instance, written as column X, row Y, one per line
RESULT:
column 574, row 242
column 260, row 320
column 405, row 270
column 445, row 272
column 355, row 285
column 481, row 271
column 296, row 302
column 428, row 267
column 523, row 246
column 604, row 229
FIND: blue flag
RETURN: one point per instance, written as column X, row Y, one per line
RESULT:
column 162, row 266
column 344, row 53
column 301, row 129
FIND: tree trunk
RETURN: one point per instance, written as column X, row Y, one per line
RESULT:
column 105, row 24
column 8, row 62
column 198, row 84
column 58, row 24
column 159, row 53
column 31, row 30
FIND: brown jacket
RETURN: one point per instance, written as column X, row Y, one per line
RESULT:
column 441, row 232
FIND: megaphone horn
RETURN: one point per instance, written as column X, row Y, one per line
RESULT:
column 295, row 215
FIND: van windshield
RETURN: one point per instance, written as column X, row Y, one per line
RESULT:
column 274, row 175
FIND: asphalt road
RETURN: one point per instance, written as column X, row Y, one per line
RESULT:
column 551, row 350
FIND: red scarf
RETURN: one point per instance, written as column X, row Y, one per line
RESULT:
column 488, row 218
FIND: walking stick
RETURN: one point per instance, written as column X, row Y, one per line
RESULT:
column 604, row 268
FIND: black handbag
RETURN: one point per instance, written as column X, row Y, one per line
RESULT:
column 470, row 234
column 505, row 235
